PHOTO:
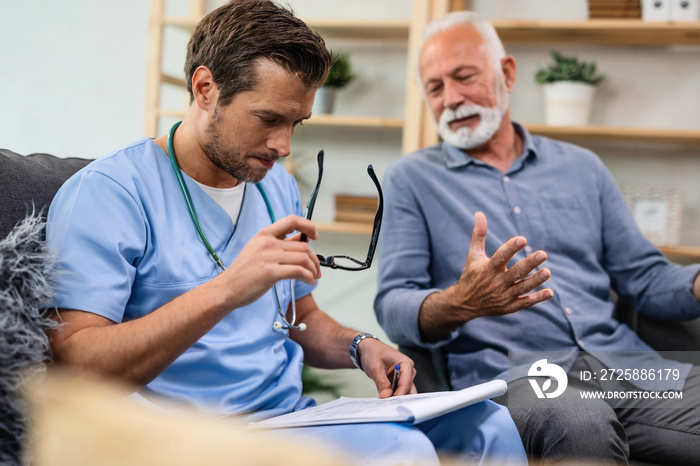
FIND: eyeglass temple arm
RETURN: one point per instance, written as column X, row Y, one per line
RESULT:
column 312, row 199
column 377, row 217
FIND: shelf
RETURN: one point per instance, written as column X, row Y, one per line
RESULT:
column 389, row 29
column 619, row 134
column 692, row 252
column 334, row 28
column 592, row 31
column 325, row 120
column 599, row 32
column 354, row 121
column 344, row 227
column 187, row 24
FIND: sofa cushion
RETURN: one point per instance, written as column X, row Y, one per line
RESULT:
column 31, row 180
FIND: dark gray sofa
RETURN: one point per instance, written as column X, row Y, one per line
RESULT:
column 31, row 181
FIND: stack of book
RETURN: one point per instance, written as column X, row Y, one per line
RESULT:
column 620, row 9
column 355, row 209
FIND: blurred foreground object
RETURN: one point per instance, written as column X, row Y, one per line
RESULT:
column 83, row 421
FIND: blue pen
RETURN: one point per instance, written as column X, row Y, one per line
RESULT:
column 395, row 381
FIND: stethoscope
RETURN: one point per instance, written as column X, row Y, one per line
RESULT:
column 188, row 200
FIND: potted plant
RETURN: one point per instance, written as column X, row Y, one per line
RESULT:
column 569, row 87
column 339, row 76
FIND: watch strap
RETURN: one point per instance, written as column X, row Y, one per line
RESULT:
column 354, row 354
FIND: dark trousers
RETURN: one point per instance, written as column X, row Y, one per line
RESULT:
column 606, row 431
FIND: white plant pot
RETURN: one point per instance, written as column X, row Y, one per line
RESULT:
column 568, row 103
column 324, row 100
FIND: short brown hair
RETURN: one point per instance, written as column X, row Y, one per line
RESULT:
column 232, row 39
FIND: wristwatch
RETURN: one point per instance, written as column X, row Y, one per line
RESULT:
column 354, row 355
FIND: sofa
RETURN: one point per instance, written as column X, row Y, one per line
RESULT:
column 30, row 182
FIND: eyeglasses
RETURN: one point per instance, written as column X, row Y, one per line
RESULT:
column 346, row 262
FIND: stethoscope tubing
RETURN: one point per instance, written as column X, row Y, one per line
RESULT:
column 193, row 215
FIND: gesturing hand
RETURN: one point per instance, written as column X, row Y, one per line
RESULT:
column 486, row 287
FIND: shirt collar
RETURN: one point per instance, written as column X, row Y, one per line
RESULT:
column 456, row 157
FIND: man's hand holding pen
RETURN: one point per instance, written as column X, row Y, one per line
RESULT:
column 383, row 363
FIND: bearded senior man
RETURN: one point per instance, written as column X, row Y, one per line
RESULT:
column 147, row 299
column 546, row 201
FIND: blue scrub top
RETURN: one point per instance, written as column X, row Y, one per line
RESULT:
column 127, row 246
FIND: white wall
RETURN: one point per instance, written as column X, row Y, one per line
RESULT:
column 72, row 75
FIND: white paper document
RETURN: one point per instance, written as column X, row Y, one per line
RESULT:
column 408, row 408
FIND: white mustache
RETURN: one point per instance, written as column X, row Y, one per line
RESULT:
column 463, row 111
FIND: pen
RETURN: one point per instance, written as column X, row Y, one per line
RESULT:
column 395, row 381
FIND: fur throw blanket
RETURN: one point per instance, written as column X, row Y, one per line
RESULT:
column 25, row 289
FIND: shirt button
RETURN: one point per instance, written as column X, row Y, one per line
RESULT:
column 528, row 249
column 506, row 179
column 568, row 310
column 517, row 210
column 580, row 343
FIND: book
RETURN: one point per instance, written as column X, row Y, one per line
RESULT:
column 412, row 409
column 354, row 217
column 356, row 209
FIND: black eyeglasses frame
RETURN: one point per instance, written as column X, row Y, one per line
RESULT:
column 330, row 261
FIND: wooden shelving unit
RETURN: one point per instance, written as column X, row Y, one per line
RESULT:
column 417, row 127
column 155, row 76
column 328, row 28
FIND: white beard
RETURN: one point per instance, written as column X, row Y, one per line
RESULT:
column 490, row 121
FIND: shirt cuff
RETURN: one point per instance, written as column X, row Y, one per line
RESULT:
column 402, row 324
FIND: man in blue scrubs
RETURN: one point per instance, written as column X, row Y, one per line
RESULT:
column 142, row 299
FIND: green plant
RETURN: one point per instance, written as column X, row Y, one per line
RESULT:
column 313, row 383
column 568, row 69
column 341, row 73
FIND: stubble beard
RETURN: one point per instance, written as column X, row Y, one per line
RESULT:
column 230, row 159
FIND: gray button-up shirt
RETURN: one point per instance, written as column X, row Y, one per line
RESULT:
column 565, row 202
